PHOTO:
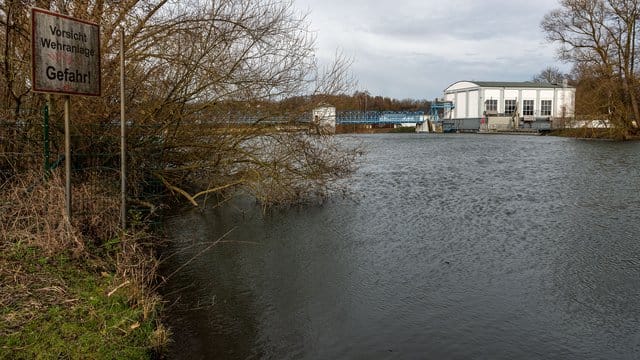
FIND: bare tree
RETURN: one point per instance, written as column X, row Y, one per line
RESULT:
column 204, row 78
column 550, row 75
column 15, row 55
column 601, row 35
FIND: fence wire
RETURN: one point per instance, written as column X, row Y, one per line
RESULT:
column 33, row 141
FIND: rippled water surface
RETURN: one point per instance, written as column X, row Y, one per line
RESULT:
column 452, row 247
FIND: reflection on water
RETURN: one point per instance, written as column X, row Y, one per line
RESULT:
column 453, row 246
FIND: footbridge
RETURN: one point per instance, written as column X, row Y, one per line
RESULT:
column 379, row 117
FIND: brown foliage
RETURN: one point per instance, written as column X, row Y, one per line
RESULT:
column 32, row 213
column 201, row 81
column 599, row 37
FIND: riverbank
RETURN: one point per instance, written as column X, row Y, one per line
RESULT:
column 595, row 134
column 70, row 290
column 372, row 129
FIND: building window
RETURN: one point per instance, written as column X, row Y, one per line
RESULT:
column 491, row 106
column 545, row 108
column 510, row 107
column 527, row 108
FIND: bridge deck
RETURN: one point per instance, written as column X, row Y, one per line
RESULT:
column 379, row 117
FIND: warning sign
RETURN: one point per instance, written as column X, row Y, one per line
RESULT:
column 66, row 54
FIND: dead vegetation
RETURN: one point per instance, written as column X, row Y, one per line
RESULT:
column 205, row 84
column 50, row 266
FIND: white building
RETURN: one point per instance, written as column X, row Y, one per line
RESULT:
column 507, row 105
column 323, row 119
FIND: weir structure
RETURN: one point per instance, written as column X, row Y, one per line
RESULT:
column 379, row 117
column 439, row 110
column 440, row 107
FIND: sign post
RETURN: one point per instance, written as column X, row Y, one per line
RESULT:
column 67, row 157
column 65, row 60
column 123, row 141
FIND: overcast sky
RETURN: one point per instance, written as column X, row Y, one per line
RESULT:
column 416, row 48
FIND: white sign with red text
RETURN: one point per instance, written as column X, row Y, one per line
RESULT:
column 66, row 54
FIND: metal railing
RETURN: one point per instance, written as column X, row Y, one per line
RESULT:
column 379, row 117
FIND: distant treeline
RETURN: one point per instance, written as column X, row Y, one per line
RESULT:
column 358, row 101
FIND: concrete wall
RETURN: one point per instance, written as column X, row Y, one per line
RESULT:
column 499, row 123
column 565, row 102
column 462, row 125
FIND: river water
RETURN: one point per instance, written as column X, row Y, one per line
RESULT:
column 449, row 247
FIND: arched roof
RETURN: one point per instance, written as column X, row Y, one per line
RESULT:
column 464, row 84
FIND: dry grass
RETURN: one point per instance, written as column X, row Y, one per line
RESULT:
column 51, row 268
column 32, row 213
column 136, row 269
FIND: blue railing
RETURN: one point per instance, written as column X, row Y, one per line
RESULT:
column 379, row 117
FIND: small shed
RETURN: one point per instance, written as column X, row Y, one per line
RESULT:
column 323, row 119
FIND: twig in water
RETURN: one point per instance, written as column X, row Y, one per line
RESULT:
column 198, row 254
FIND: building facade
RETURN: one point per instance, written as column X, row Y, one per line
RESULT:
column 516, row 105
column 323, row 119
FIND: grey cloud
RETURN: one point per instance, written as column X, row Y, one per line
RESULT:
column 417, row 48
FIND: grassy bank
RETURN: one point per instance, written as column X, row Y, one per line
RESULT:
column 600, row 134
column 404, row 130
column 73, row 291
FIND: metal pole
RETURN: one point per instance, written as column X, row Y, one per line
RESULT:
column 123, row 140
column 45, row 131
column 67, row 157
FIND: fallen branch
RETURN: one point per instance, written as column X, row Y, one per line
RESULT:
column 192, row 199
